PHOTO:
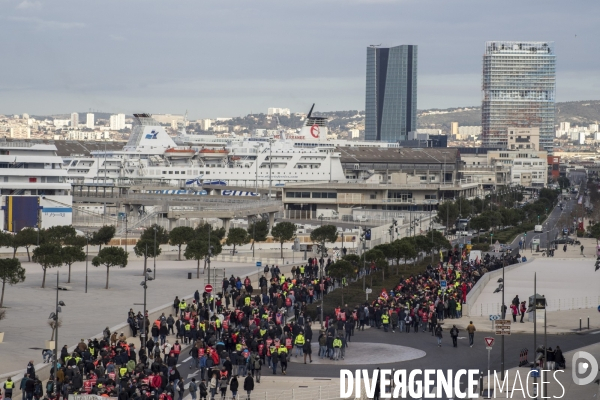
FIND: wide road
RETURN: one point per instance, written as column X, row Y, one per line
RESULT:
column 445, row 357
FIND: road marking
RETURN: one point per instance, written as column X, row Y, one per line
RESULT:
column 595, row 333
column 187, row 359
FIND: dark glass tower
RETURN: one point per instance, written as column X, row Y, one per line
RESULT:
column 391, row 95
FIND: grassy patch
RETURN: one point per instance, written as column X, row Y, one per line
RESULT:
column 507, row 235
column 354, row 293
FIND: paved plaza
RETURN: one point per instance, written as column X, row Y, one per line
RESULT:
column 85, row 315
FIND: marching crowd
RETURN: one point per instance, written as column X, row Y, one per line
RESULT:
column 242, row 332
column 232, row 338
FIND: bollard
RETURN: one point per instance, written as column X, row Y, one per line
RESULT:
column 579, row 324
column 588, row 323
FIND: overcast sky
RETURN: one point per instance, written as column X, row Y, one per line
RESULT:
column 232, row 57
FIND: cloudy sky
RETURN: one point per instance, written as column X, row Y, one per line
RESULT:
column 232, row 57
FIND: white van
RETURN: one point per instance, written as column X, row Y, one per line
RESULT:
column 538, row 229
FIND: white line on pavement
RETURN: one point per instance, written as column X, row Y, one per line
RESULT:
column 189, row 358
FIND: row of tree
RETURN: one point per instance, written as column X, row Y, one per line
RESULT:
column 497, row 209
column 382, row 256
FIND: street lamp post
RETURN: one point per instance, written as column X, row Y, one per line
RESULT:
column 87, row 243
column 253, row 234
column 323, row 255
column 126, row 233
column 144, row 284
column 503, row 317
column 54, row 316
column 270, row 166
column 155, row 251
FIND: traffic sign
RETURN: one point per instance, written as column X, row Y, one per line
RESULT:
column 489, row 341
column 460, row 245
column 468, row 242
column 258, row 264
column 368, row 290
column 208, row 288
column 444, row 285
column 502, row 327
column 494, row 317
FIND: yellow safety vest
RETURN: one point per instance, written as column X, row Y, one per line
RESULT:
column 458, row 307
column 281, row 279
column 300, row 339
column 188, row 327
column 247, row 301
column 385, row 319
column 182, row 305
column 282, row 349
column 9, row 385
column 301, row 270
column 337, row 343
column 123, row 371
column 238, row 347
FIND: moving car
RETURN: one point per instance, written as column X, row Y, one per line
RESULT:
column 538, row 229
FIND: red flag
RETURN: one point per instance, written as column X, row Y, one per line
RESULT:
column 384, row 294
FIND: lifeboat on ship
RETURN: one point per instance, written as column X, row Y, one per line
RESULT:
column 179, row 153
column 213, row 153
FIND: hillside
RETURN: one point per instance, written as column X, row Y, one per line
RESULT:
column 576, row 112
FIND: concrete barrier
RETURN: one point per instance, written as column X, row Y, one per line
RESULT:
column 478, row 288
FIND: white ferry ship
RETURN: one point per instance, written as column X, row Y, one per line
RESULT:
column 152, row 156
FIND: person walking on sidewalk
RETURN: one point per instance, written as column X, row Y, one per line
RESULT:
column 581, row 249
column 438, row 334
column 471, row 330
column 514, row 310
column 307, row 350
column 523, row 311
column 454, row 335
column 249, row 385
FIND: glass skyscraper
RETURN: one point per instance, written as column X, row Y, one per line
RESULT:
column 519, row 85
column 391, row 95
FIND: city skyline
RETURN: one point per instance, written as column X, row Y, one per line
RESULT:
column 64, row 59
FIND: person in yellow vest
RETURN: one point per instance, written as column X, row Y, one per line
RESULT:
column 385, row 320
column 122, row 371
column 188, row 331
column 281, row 279
column 247, row 301
column 8, row 388
column 182, row 307
column 458, row 309
column 282, row 352
column 337, row 348
column 299, row 342
column 302, row 270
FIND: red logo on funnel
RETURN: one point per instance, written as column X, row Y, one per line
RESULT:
column 314, row 131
